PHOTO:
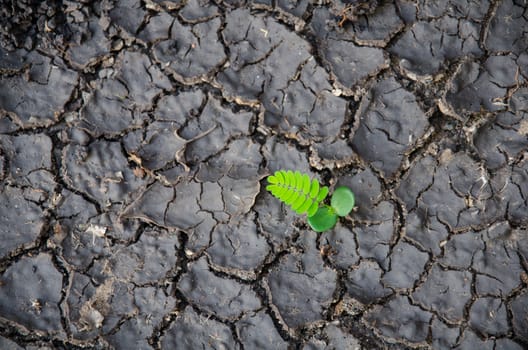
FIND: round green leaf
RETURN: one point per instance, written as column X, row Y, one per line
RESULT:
column 342, row 201
column 324, row 219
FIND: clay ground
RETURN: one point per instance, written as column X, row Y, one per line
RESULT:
column 136, row 136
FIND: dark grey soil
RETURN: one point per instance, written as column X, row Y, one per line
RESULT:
column 136, row 136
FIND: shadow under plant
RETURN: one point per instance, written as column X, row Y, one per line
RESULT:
column 136, row 136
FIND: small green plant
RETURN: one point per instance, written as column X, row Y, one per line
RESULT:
column 304, row 197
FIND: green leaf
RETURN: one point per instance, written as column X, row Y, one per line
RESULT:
column 305, row 206
column 306, row 184
column 290, row 178
column 272, row 189
column 314, row 190
column 324, row 219
column 278, row 174
column 298, row 180
column 323, row 192
column 298, row 203
column 297, row 190
column 313, row 209
column 291, row 198
column 273, row 179
column 342, row 201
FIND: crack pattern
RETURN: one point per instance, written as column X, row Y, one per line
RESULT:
column 135, row 138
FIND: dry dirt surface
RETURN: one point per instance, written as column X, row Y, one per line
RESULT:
column 135, row 141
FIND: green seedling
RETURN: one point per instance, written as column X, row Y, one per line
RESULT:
column 304, row 197
column 297, row 190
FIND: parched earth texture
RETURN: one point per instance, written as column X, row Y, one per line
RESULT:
column 136, row 136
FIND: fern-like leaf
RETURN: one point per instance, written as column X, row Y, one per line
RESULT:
column 297, row 190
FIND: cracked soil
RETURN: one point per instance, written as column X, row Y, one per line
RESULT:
column 136, row 136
